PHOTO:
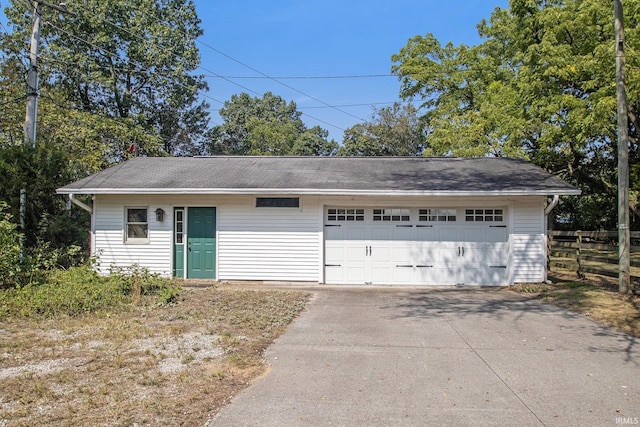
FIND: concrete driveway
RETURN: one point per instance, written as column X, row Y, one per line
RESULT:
column 441, row 356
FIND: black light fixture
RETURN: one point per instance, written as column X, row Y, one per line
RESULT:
column 159, row 215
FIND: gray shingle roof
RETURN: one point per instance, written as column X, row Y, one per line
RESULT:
column 322, row 175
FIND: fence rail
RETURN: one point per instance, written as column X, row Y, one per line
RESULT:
column 592, row 252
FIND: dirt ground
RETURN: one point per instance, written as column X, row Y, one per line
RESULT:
column 147, row 365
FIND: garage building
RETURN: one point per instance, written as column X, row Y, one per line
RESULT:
column 333, row 220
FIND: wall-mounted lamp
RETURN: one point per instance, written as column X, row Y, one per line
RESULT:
column 159, row 215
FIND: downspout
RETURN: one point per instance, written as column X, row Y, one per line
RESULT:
column 554, row 202
column 552, row 205
column 80, row 204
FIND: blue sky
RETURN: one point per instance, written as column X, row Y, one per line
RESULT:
column 312, row 38
column 293, row 38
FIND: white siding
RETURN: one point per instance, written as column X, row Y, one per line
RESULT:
column 287, row 243
column 110, row 248
column 527, row 240
column 269, row 243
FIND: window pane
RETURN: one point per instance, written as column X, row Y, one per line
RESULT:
column 136, row 215
column 137, row 231
column 277, row 202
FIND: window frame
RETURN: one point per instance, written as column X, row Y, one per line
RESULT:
column 343, row 214
column 179, row 212
column 136, row 240
column 437, row 215
column 485, row 215
column 297, row 205
column 399, row 215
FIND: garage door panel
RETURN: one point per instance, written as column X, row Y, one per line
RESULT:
column 426, row 233
column 353, row 233
column 402, row 233
column 334, row 274
column 486, row 253
column 404, row 275
column 448, row 234
column 484, row 276
column 335, row 254
column 356, row 253
column 425, row 251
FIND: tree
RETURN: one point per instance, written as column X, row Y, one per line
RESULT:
column 119, row 64
column 267, row 126
column 540, row 86
column 392, row 131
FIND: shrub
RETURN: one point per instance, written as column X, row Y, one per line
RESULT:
column 9, row 250
column 138, row 281
column 72, row 292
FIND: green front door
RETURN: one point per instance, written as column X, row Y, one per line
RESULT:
column 201, row 243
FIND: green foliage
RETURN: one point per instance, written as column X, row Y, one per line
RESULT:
column 139, row 281
column 40, row 171
column 392, row 131
column 540, row 86
column 9, row 249
column 115, row 76
column 72, row 292
column 267, row 126
column 80, row 290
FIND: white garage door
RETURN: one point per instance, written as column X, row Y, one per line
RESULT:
column 431, row 246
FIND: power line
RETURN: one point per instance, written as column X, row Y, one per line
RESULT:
column 275, row 80
column 363, row 76
column 219, row 76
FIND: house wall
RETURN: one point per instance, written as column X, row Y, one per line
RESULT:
column 269, row 243
column 528, row 241
column 287, row 243
column 109, row 246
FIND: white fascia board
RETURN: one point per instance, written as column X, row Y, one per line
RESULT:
column 315, row 192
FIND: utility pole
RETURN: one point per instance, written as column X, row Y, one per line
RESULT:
column 30, row 119
column 31, row 116
column 624, row 240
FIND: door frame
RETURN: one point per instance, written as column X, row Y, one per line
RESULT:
column 185, row 208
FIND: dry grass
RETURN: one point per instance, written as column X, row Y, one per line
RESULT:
column 598, row 301
column 145, row 365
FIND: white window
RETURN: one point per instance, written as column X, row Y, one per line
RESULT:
column 437, row 215
column 179, row 227
column 345, row 214
column 394, row 214
column 136, row 227
column 484, row 215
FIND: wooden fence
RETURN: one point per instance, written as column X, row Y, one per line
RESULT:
column 593, row 252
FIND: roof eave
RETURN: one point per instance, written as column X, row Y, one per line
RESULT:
column 316, row 192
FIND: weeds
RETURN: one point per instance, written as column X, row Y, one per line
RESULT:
column 80, row 290
column 141, row 364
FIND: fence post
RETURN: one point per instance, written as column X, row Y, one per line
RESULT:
column 578, row 253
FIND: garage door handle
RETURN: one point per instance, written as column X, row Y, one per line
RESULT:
column 333, row 225
column 497, row 226
column 404, row 265
column 497, row 266
column 462, row 250
column 333, row 265
column 424, row 266
column 404, row 226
